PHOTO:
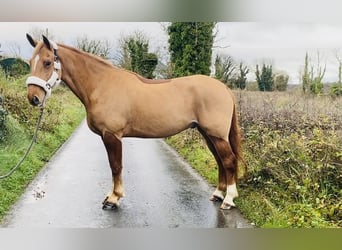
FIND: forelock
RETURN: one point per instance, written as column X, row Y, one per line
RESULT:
column 37, row 49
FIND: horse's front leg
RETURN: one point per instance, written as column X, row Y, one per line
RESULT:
column 114, row 149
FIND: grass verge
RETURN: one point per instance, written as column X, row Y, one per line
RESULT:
column 63, row 113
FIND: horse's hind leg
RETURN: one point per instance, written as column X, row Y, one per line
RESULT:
column 114, row 150
column 229, row 163
column 227, row 169
column 218, row 195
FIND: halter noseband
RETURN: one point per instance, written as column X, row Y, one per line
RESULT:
column 54, row 80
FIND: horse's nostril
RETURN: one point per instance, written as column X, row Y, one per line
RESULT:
column 35, row 101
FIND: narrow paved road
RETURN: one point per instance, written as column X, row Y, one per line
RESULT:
column 161, row 190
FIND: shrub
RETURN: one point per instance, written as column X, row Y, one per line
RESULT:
column 14, row 67
column 3, row 115
column 316, row 87
column 336, row 90
column 17, row 105
column 293, row 148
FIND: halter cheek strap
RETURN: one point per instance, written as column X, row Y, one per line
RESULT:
column 53, row 81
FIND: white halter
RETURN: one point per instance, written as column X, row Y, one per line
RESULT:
column 53, row 81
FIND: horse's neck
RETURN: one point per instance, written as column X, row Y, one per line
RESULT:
column 78, row 73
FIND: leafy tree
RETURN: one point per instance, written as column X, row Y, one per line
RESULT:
column 190, row 46
column 265, row 78
column 280, row 81
column 134, row 55
column 142, row 62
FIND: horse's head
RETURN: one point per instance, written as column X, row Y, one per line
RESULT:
column 45, row 70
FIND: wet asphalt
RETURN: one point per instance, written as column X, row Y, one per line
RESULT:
column 162, row 191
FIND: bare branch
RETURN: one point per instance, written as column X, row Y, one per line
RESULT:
column 220, row 47
column 15, row 49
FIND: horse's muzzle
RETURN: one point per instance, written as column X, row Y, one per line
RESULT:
column 35, row 101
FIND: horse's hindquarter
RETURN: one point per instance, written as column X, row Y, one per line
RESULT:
column 214, row 105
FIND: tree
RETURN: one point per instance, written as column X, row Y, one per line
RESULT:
column 339, row 60
column 313, row 80
column 224, row 70
column 240, row 81
column 135, row 56
column 100, row 48
column 265, row 78
column 219, row 68
column 306, row 76
column 190, row 46
column 336, row 89
column 142, row 62
column 280, row 81
column 316, row 85
column 37, row 33
column 15, row 49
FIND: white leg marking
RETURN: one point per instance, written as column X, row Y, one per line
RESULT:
column 112, row 194
column 112, row 190
column 230, row 195
column 218, row 194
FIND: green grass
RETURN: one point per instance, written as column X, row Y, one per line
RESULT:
column 197, row 154
column 62, row 115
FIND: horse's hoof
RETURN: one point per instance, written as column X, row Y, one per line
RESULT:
column 215, row 198
column 226, row 206
column 105, row 200
column 109, row 206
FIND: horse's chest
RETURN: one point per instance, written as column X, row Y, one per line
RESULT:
column 99, row 122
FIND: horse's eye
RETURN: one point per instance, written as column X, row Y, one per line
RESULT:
column 47, row 64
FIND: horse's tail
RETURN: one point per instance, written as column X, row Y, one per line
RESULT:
column 235, row 139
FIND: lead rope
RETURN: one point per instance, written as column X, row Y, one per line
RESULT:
column 30, row 146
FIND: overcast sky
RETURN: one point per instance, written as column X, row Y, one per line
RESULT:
column 281, row 44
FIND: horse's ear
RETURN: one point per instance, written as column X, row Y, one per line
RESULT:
column 46, row 42
column 31, row 40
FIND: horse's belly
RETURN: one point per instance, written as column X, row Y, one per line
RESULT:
column 158, row 128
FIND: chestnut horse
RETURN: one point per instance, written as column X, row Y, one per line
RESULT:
column 120, row 103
